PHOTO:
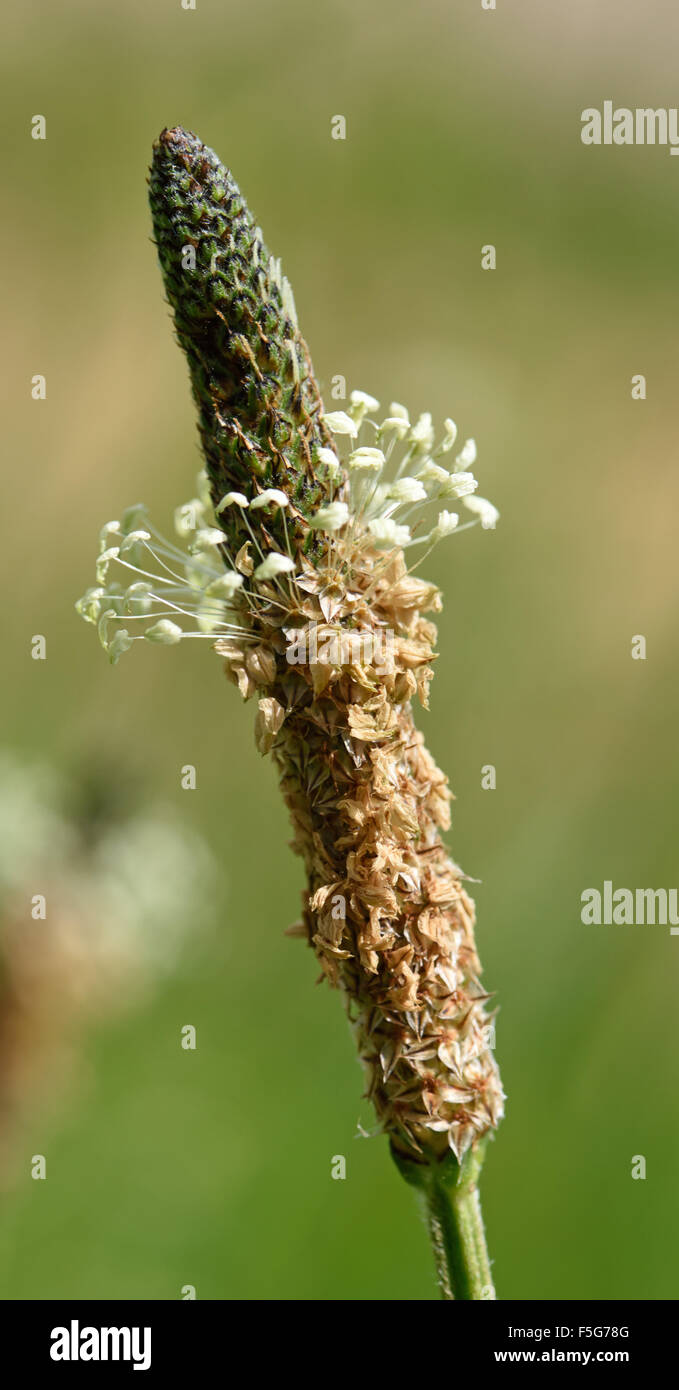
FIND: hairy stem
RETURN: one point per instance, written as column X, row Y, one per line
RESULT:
column 449, row 1197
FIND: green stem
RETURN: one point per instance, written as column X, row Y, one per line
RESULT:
column 449, row 1197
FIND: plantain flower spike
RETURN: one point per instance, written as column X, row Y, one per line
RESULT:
column 295, row 560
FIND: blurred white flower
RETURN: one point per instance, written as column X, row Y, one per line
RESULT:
column 488, row 514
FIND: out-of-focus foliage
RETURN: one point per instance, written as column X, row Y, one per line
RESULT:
column 98, row 899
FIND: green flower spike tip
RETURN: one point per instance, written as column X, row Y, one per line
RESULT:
column 259, row 406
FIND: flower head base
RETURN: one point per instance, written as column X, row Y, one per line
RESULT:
column 405, row 950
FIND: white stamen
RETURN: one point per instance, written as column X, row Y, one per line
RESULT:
column 488, row 514
column 272, row 496
column 232, row 499
column 468, row 454
column 165, row 632
column 386, row 532
column 338, row 422
column 330, row 518
column 274, row 564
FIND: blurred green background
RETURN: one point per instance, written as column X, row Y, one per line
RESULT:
column 212, row 1167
